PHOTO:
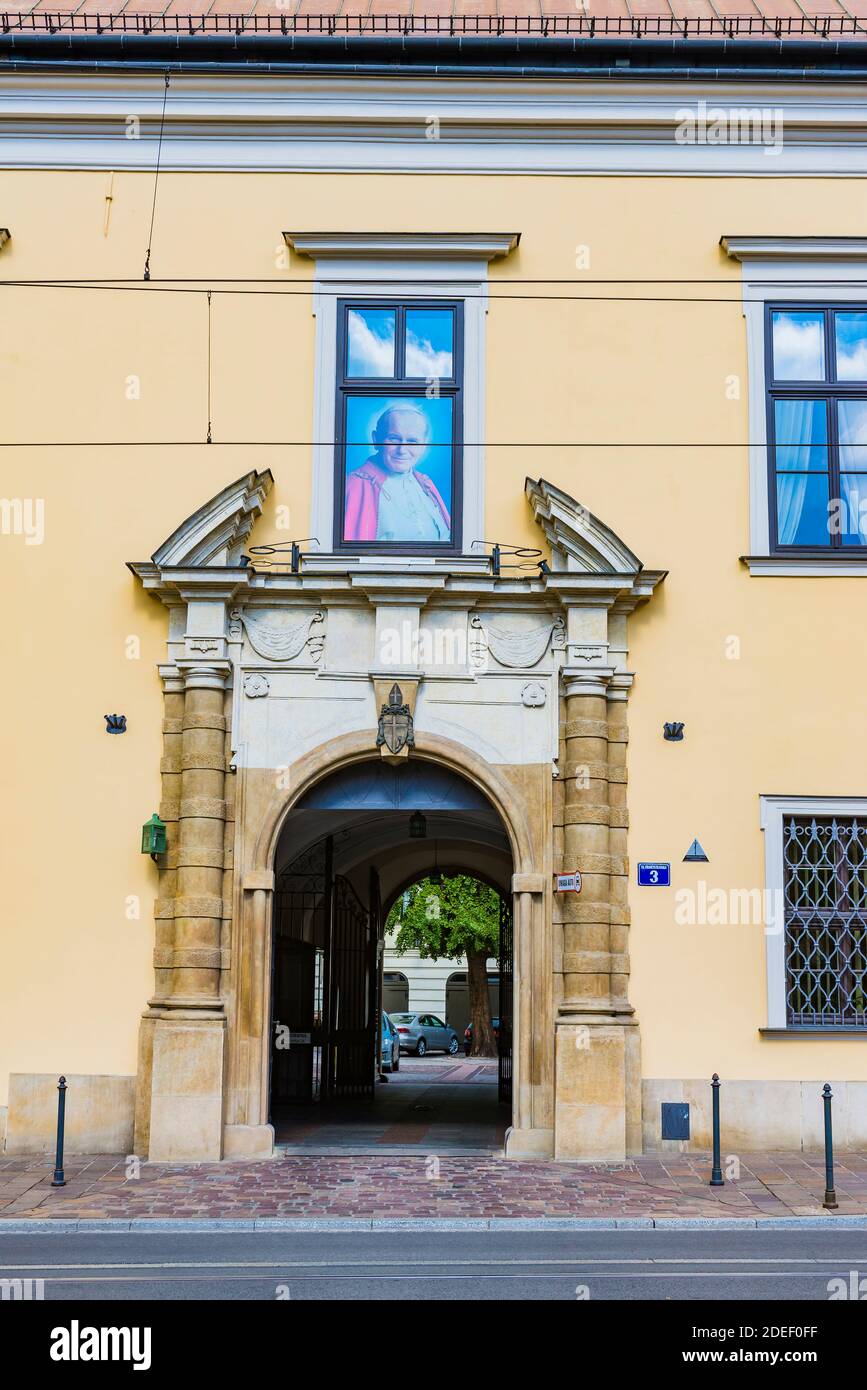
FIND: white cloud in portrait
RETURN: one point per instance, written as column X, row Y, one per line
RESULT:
column 373, row 352
column 423, row 359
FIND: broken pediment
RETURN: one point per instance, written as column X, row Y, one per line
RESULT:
column 579, row 541
column 214, row 536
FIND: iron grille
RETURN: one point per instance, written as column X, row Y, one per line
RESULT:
column 825, row 895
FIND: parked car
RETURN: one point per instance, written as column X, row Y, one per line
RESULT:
column 421, row 1033
column 468, row 1034
column 390, row 1044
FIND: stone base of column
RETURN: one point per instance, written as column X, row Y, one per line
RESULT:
column 248, row 1141
column 144, row 1086
column 597, row 1096
column 529, row 1143
column 187, row 1089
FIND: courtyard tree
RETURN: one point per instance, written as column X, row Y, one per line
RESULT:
column 445, row 919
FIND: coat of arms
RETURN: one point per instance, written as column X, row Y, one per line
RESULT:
column 395, row 723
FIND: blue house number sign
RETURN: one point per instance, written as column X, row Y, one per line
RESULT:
column 654, row 875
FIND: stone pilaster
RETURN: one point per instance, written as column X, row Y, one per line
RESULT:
column 586, row 916
column 596, row 1037
column 198, row 905
column 164, row 925
column 189, row 1031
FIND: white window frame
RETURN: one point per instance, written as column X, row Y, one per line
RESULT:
column 772, row 811
column 411, row 266
column 801, row 269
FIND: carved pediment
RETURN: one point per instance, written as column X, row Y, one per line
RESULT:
column 579, row 541
column 214, row 536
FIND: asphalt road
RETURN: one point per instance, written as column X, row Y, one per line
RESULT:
column 560, row 1265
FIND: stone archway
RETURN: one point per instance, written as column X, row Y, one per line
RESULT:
column 273, row 679
column 524, row 811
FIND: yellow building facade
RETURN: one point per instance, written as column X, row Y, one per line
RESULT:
column 562, row 402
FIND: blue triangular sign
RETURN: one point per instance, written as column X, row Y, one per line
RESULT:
column 696, row 854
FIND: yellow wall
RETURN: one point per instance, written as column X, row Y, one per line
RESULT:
column 74, row 972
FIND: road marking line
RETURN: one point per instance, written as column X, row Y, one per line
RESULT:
column 441, row 1278
column 574, row 1261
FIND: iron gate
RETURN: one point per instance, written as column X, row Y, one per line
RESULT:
column 351, row 1057
column 323, row 986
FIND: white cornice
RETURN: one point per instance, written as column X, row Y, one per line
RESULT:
column 795, row 248
column 403, row 245
column 384, row 125
column 805, row 567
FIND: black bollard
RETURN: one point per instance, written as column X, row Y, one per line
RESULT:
column 716, row 1177
column 59, row 1180
column 830, row 1195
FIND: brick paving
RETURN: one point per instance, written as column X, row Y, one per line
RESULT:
column 423, row 1184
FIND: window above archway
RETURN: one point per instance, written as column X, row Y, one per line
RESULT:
column 398, row 466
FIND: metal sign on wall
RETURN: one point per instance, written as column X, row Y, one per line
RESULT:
column 568, row 883
column 654, row 875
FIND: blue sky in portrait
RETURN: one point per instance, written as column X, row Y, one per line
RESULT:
column 429, row 343
column 362, row 413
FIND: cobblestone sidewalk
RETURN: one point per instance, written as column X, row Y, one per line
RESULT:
column 420, row 1185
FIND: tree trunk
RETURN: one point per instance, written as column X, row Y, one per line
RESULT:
column 484, row 1043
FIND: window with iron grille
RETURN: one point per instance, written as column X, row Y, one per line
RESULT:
column 825, row 897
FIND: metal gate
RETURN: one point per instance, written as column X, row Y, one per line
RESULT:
column 351, row 1059
column 323, row 986
column 505, row 1043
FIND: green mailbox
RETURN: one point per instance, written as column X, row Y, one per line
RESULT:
column 153, row 836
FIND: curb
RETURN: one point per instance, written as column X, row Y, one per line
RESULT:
column 342, row 1224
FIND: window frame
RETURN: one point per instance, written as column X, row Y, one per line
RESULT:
column 773, row 811
column 830, row 390
column 347, row 386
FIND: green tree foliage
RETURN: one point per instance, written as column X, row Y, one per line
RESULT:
column 457, row 916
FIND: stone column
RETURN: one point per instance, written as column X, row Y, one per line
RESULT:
column 164, row 922
column 593, row 1067
column 248, row 1133
column 189, row 1034
column 202, row 815
column 586, row 916
column 530, row 1134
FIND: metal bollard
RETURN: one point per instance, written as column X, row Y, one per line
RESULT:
column 716, row 1177
column 830, row 1195
column 59, row 1180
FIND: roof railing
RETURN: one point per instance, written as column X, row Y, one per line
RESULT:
column 583, row 26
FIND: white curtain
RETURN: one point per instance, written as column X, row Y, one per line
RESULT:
column 795, row 423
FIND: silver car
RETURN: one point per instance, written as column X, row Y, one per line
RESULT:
column 390, row 1044
column 421, row 1033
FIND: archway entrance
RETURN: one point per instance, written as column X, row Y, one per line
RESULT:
column 347, row 852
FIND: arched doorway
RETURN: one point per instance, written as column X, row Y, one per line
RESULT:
column 346, row 851
column 395, row 991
